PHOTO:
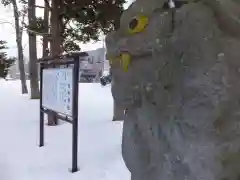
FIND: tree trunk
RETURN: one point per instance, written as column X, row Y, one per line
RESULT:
column 20, row 48
column 118, row 112
column 56, row 24
column 52, row 119
column 45, row 51
column 33, row 70
column 56, row 42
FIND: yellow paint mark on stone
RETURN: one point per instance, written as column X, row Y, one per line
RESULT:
column 137, row 24
column 125, row 61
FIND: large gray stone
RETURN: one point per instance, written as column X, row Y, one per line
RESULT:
column 181, row 92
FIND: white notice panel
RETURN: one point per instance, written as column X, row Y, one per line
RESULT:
column 57, row 90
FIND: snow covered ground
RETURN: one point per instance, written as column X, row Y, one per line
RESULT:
column 99, row 139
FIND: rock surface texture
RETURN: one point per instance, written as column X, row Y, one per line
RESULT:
column 181, row 92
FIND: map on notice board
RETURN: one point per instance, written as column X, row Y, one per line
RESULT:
column 57, row 91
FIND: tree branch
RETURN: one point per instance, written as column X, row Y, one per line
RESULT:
column 47, row 4
column 38, row 33
column 38, row 6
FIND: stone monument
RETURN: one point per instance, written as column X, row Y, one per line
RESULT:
column 176, row 71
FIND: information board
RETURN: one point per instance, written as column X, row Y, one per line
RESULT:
column 57, row 90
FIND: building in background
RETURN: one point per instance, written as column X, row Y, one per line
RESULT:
column 92, row 66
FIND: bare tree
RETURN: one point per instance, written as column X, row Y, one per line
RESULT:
column 33, row 70
column 19, row 32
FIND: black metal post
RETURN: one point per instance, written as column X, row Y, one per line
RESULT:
column 75, row 116
column 41, row 140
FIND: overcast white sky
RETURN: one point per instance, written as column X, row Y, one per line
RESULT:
column 7, row 32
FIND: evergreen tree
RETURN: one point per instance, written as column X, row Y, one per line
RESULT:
column 5, row 62
column 79, row 21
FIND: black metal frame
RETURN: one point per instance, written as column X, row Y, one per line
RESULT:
column 70, row 59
